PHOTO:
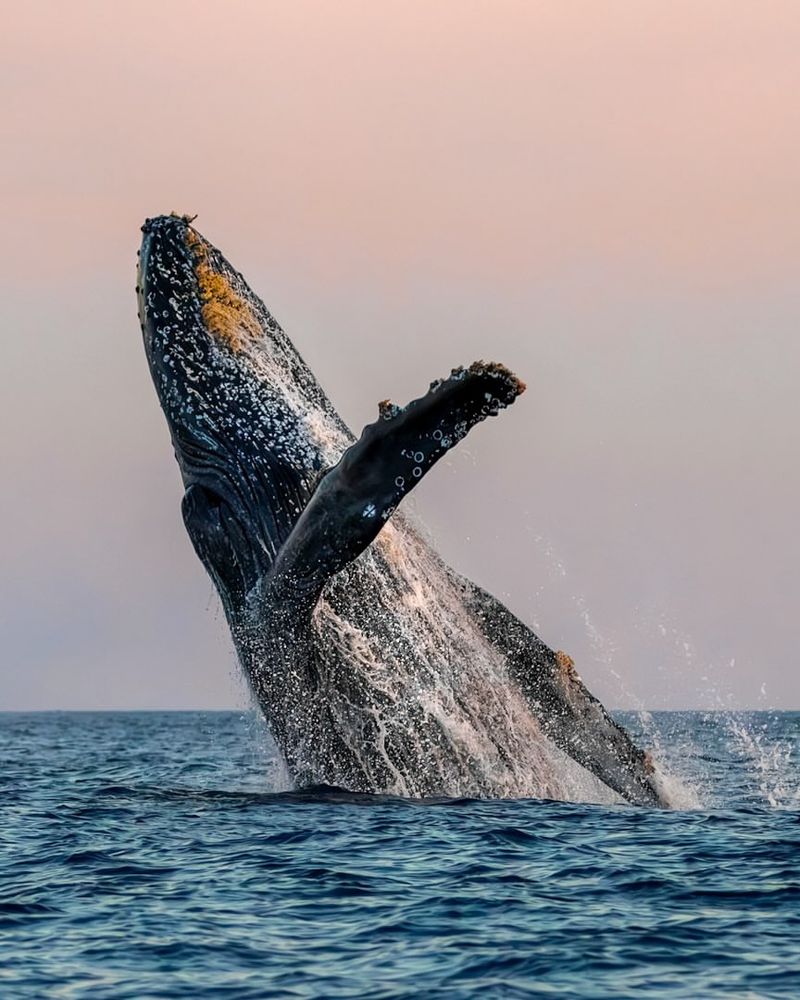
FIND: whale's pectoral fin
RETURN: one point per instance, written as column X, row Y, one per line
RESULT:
column 404, row 443
column 357, row 496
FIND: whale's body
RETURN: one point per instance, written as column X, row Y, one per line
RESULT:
column 377, row 667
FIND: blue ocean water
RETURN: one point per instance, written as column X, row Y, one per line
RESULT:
column 146, row 855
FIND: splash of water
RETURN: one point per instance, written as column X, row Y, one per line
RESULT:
column 672, row 779
column 748, row 738
column 770, row 760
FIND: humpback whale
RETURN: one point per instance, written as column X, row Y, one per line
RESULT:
column 377, row 667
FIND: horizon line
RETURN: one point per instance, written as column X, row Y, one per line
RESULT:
column 255, row 711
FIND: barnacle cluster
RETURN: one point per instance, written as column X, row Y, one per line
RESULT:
column 226, row 314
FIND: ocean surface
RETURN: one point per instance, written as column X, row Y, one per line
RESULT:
column 153, row 855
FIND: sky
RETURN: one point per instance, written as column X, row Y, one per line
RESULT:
column 603, row 196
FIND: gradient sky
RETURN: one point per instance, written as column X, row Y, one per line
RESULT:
column 604, row 196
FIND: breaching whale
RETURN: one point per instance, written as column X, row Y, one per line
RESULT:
column 377, row 667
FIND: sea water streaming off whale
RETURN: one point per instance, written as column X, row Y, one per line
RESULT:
column 378, row 668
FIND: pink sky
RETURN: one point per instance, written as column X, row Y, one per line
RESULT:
column 602, row 195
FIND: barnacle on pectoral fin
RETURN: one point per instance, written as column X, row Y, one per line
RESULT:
column 497, row 370
column 226, row 315
column 387, row 409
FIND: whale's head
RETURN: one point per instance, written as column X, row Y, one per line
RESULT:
column 250, row 425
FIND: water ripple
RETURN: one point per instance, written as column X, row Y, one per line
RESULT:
column 145, row 856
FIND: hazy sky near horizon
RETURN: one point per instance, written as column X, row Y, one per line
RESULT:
column 602, row 195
